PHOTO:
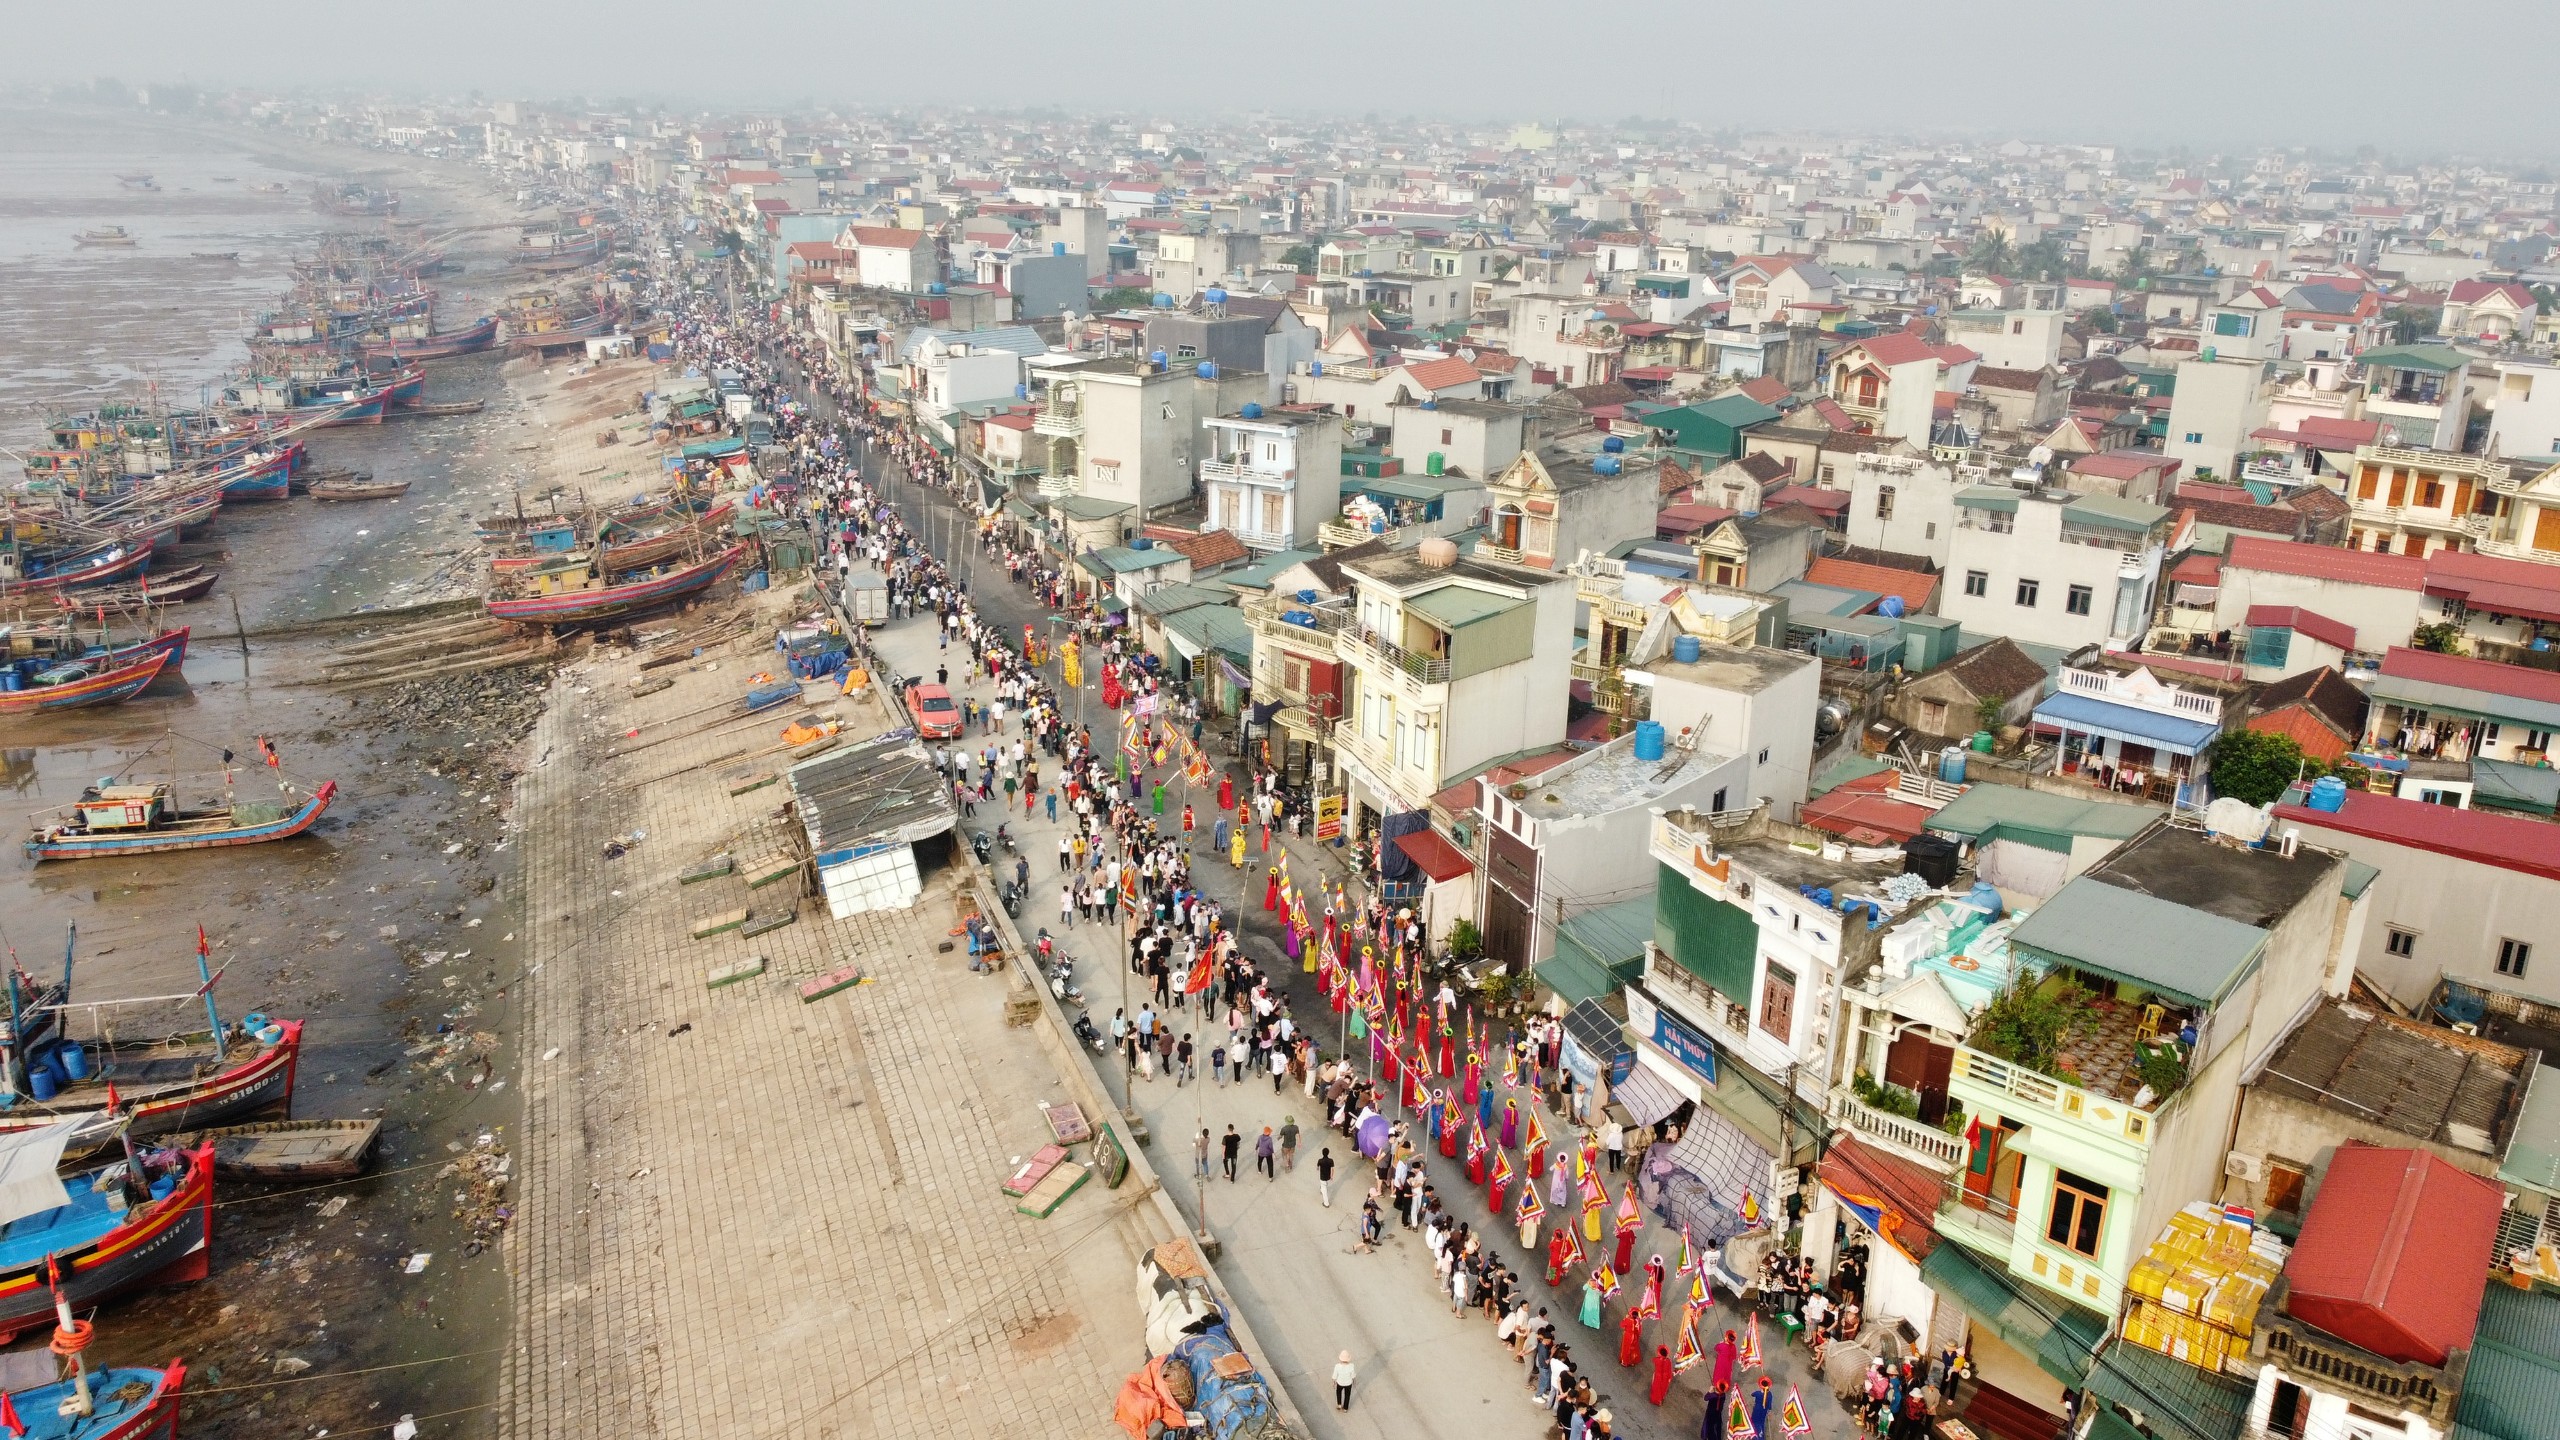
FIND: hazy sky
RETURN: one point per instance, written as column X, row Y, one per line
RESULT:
column 2409, row 78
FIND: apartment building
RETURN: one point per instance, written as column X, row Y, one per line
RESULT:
column 2049, row 567
column 1271, row 477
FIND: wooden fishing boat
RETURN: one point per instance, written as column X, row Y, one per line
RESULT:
column 61, row 641
column 105, row 237
column 95, row 567
column 146, row 819
column 635, row 544
column 101, row 1232
column 33, row 687
column 227, row 257
column 358, row 489
column 470, row 340
column 125, row 1402
column 287, row 1149
column 173, row 587
column 427, row 409
column 577, row 592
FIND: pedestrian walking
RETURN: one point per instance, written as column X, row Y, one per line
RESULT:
column 1218, row 1065
column 1324, row 1175
column 1200, row 1154
column 1232, row 1145
column 1343, row 1375
column 1289, row 1144
column 1262, row 1154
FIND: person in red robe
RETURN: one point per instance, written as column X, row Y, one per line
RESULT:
column 1226, row 792
column 1448, row 1131
column 1626, row 1256
column 1475, row 1163
column 1631, row 1341
column 1271, row 891
column 1448, row 1052
column 1559, row 1254
column 1661, row 1385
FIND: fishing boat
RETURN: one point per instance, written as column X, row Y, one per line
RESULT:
column 161, row 1082
column 137, row 180
column 175, row 587
column 433, row 345
column 227, row 257
column 70, row 1401
column 60, row 641
column 105, row 237
column 358, row 488
column 287, row 1149
column 635, row 544
column 577, row 591
column 32, row 687
column 145, row 819
column 145, row 1219
column 22, row 572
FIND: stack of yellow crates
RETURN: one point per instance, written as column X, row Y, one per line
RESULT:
column 2195, row 1293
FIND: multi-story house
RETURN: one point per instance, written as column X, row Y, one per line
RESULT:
column 2049, row 567
column 1766, row 288
column 1271, row 477
column 2420, row 393
column 1551, row 505
column 2526, row 420
column 2408, row 500
column 1124, row 429
column 1889, row 383
column 2493, row 312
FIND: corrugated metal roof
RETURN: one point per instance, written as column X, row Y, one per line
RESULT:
column 2176, row 1400
column 1457, row 606
column 2512, row 1389
column 881, row 791
column 2092, row 925
column 2145, row 727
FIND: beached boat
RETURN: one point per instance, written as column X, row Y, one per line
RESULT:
column 119, row 1402
column 142, row 1220
column 576, row 591
column 61, row 641
column 287, row 1149
column 105, row 237
column 32, row 687
column 146, row 819
column 174, row 587
column 21, row 573
column 358, row 488
column 434, row 345
column 227, row 257
column 634, row 544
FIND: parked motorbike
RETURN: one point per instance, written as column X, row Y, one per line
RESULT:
column 981, row 846
column 1011, row 892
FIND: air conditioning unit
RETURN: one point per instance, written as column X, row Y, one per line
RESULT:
column 2242, row 1166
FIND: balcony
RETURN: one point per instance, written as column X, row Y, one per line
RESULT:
column 1064, row 421
column 2020, row 1087
column 1336, row 535
column 1386, row 654
column 1979, row 1220
column 1315, row 637
column 2362, row 1375
column 1901, row 1134
column 1238, row 472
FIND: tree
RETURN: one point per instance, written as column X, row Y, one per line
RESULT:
column 2046, row 259
column 2258, row 766
column 1125, row 297
column 2444, row 637
column 2101, row 318
column 1991, row 253
column 1301, row 258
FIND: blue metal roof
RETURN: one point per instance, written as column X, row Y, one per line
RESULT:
column 2127, row 722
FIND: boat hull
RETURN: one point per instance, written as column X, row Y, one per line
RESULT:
column 151, row 1415
column 583, row 605
column 102, row 572
column 288, row 1149
column 472, row 341
column 85, row 847
column 108, row 687
column 167, row 1241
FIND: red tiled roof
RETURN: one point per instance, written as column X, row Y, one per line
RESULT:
column 2488, row 677
column 1854, row 807
column 2506, row 587
column 1831, row 413
column 1446, row 373
column 2300, row 724
column 2323, row 562
column 1010, row 421
column 1902, row 1194
column 1767, row 389
column 1899, row 347
column 1914, row 587
column 1812, row 497
column 2123, row 464
column 2509, row 842
column 887, row 237
column 2294, row 617
column 1203, row 548
column 2395, row 1252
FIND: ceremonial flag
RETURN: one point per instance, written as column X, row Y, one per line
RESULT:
column 1530, row 1208
column 1737, row 1421
column 1791, row 1417
column 1128, row 887
column 1202, row 971
column 1592, row 1205
column 1630, row 1217
column 1688, row 1257
column 1748, row 1357
column 9, row 1417
column 1649, row 1304
column 1605, row 1280
column 1510, row 1067
column 1533, row 1138
column 1501, row 1172
column 1572, row 1245
column 1688, row 1353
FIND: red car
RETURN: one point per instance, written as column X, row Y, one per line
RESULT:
column 936, row 717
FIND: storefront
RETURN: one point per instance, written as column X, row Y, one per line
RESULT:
column 2027, row 1343
column 1715, row 1176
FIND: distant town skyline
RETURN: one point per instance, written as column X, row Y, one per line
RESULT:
column 2344, row 76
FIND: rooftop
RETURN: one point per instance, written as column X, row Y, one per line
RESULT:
column 2510, row 842
column 1747, row 669
column 2249, row 887
column 1611, row 778
column 2423, row 1082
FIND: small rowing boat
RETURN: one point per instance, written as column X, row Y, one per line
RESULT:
column 358, row 489
column 31, row 687
column 287, row 1149
column 146, row 819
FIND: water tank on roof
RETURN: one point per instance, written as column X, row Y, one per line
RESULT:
column 1161, row 301
column 1315, row 367
column 1215, row 295
column 1605, row 465
column 1614, row 444
column 1431, row 404
column 1434, row 463
column 1021, row 392
column 1057, row 247
column 2205, row 354
column 2329, row 794
column 1892, row 607
column 1648, row 740
column 1143, row 542
column 1206, row 370
column 1156, row 359
column 1252, row 410
column 937, row 288
column 1684, row 648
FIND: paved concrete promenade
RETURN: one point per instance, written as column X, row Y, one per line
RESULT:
column 739, row 1215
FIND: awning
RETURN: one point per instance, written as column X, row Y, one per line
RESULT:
column 1723, row 1162
column 2172, row 1399
column 1432, row 851
column 2092, row 716
column 1647, row 1096
column 28, row 1159
column 1894, row 1197
column 2061, row 1336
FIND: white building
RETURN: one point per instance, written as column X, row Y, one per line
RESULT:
column 1753, row 701
column 2047, row 567
column 888, row 258
column 2219, row 403
column 1272, row 477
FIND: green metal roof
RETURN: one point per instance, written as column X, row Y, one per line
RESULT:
column 2513, row 1386
column 2154, row 943
column 2059, row 1334
column 2050, row 822
column 1454, row 607
column 1611, row 938
column 1258, row 575
column 1989, row 497
column 2115, row 512
column 2359, row 876
column 1212, row 627
column 1122, row 559
column 1085, row 507
column 2176, row 1400
column 2442, row 359
column 1166, row 599
column 1409, row 486
column 2533, row 1153
column 2533, row 789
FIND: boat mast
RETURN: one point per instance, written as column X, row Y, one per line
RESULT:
column 204, row 970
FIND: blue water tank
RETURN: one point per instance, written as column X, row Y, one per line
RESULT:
column 1057, row 247
column 1614, row 444
column 937, row 288
column 1605, row 465
column 1143, row 542
column 1206, row 370
column 2329, row 794
column 1156, row 359
column 1648, row 739
column 41, row 1081
column 1684, row 648
column 1892, row 607
column 75, row 1061
column 1431, row 404
column 1021, row 392
column 1951, row 764
column 1252, row 410
column 1161, row 301
column 1215, row 295
column 1315, row 367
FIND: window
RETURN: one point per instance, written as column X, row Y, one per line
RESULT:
column 1929, row 531
column 1884, row 502
column 2396, row 941
column 2076, row 600
column 1764, row 757
column 1718, row 807
column 1977, row 583
column 2269, row 645
column 2017, row 327
column 1826, row 470
column 1778, row 1003
column 1186, row 352
column 2512, row 955
column 2079, row 1212
column 1444, row 436
column 2195, row 437
column 2027, row 593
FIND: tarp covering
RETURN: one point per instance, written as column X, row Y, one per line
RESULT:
column 28, row 1159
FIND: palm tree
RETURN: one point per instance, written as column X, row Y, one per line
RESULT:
column 1991, row 253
